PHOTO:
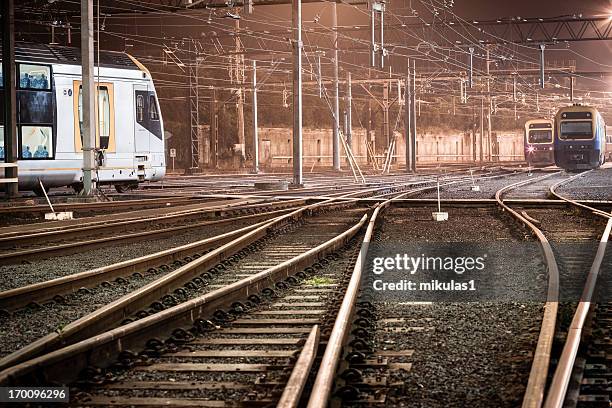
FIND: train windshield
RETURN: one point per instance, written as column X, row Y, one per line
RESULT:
column 540, row 136
column 577, row 130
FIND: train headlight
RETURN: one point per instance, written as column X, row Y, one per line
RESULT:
column 530, row 149
column 550, row 148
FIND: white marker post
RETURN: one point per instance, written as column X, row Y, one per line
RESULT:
column 64, row 215
column 173, row 155
column 474, row 186
column 439, row 215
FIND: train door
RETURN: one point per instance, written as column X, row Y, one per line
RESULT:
column 141, row 134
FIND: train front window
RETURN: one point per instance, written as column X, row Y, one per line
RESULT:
column 540, row 136
column 153, row 115
column 34, row 76
column 36, row 142
column 577, row 130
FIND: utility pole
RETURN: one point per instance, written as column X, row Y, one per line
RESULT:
column 214, row 130
column 413, row 121
column 382, row 34
column 542, row 47
column 407, row 124
column 349, row 108
column 471, row 70
column 336, row 133
column 194, row 108
column 489, row 141
column 474, row 133
column 481, row 128
column 386, row 113
column 89, row 119
column 372, row 35
column 255, row 130
column 240, row 93
column 10, row 98
column 369, row 122
column 296, row 16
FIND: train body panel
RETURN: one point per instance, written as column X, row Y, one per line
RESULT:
column 129, row 136
column 539, row 142
column 580, row 138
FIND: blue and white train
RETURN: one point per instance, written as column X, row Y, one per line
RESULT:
column 129, row 132
column 580, row 138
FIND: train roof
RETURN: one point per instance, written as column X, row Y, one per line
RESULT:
column 58, row 54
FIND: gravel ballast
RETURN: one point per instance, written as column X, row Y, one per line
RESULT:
column 475, row 354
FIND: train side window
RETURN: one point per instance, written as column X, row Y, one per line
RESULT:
column 139, row 108
column 36, row 142
column 34, row 76
column 1, row 141
column 1, row 77
column 153, row 114
column 104, row 116
column 105, row 133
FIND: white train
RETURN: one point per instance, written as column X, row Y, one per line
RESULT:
column 129, row 135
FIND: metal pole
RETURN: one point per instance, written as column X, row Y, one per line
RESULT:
column 542, row 46
column 382, row 34
column 413, row 121
column 10, row 98
column 407, row 113
column 255, row 130
column 571, row 89
column 297, row 92
column 471, row 71
column 369, row 123
column 349, row 109
column 336, row 133
column 214, row 130
column 489, row 141
column 89, row 120
column 481, row 128
column 386, row 113
column 372, row 35
column 514, row 88
column 240, row 100
column 489, row 135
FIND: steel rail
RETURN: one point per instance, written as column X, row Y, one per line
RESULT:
column 37, row 292
column 536, row 385
column 563, row 372
column 72, row 247
column 67, row 231
column 553, row 192
column 113, row 312
column 299, row 375
column 64, row 364
column 322, row 387
column 138, row 204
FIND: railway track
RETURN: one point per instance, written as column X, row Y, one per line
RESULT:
column 172, row 281
column 104, row 207
column 583, row 375
column 592, row 389
column 146, row 321
column 16, row 247
column 206, row 305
